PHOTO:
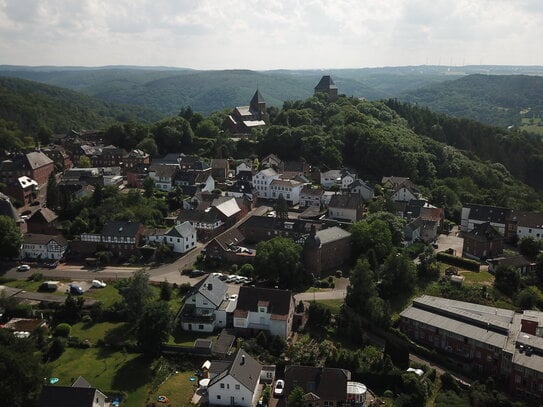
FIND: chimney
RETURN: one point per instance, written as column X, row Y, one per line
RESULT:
column 242, row 359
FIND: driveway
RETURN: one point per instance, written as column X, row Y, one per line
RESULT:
column 451, row 241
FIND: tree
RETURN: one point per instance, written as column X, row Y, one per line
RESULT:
column 165, row 291
column 529, row 247
column 148, row 187
column 281, row 207
column 148, row 144
column 398, row 276
column 362, row 286
column 84, row 162
column 296, row 397
column 136, row 292
column 279, row 259
column 507, row 280
column 53, row 193
column 206, row 129
column 318, row 315
column 375, row 235
column 11, row 238
column 20, row 370
column 73, row 307
column 398, row 350
column 154, row 326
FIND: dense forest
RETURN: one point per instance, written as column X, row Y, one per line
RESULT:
column 27, row 107
column 499, row 100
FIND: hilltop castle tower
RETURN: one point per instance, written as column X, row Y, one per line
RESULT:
column 327, row 85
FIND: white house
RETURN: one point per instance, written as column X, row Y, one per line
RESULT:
column 264, row 309
column 528, row 224
column 403, row 194
column 347, row 179
column 330, row 178
column 262, row 181
column 202, row 309
column 346, row 207
column 361, row 188
column 311, row 197
column 163, row 176
column 243, row 166
column 290, row 189
column 181, row 238
column 235, row 384
column 37, row 246
column 474, row 214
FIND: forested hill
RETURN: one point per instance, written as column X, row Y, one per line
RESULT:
column 27, row 106
column 499, row 100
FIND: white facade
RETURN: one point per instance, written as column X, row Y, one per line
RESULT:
column 209, row 184
column 290, row 190
column 181, row 238
column 308, row 199
column 342, row 214
column 205, row 305
column 163, row 182
column 467, row 224
column 403, row 194
column 264, row 320
column 347, row 180
column 534, row 231
column 228, row 392
column 330, row 178
column 363, row 190
column 262, row 181
column 43, row 250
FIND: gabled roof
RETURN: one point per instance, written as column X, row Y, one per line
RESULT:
column 164, row 171
column 121, row 228
column 324, row 382
column 195, row 216
column 62, row 396
column 332, row 234
column 228, row 207
column 257, row 98
column 485, row 213
column 230, row 238
column 359, row 183
column 212, row 288
column 308, row 191
column 81, row 382
column 279, row 301
column 43, row 215
column 244, row 368
column 268, row 172
column 36, row 238
column 183, row 230
column 289, row 183
column 515, row 261
column 346, row 201
column 37, row 159
column 484, row 232
column 528, row 219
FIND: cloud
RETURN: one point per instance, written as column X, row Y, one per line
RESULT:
column 267, row 34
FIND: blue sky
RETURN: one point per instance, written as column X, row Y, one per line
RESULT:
column 271, row 34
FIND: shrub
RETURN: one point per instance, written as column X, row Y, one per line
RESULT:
column 63, row 330
column 467, row 264
column 36, row 277
column 56, row 349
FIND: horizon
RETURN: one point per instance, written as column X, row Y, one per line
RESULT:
column 270, row 35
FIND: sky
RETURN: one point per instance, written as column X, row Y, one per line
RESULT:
column 271, row 34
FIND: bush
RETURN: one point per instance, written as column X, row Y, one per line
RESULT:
column 36, row 277
column 63, row 330
column 467, row 264
column 56, row 349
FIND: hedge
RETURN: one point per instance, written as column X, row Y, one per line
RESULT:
column 467, row 264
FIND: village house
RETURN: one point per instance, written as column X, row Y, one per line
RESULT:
column 490, row 341
column 483, row 242
column 311, row 197
column 289, row 189
column 44, row 221
column 322, row 386
column 228, row 246
column 264, row 309
column 43, row 247
column 163, row 176
column 135, row 158
column 474, row 214
column 236, row 382
column 525, row 224
column 59, row 155
column 207, row 222
column 122, row 238
column 520, row 263
column 331, row 178
column 180, row 238
column 413, row 231
column 207, row 306
column 80, row 394
column 262, row 182
column 136, row 174
column 361, row 188
column 220, row 168
column 326, row 249
column 349, row 208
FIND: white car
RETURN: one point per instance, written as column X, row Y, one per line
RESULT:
column 233, row 297
column 98, row 284
column 23, row 267
column 279, row 387
column 231, row 278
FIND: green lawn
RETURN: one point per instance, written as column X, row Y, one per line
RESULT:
column 95, row 331
column 107, row 370
column 178, row 388
column 184, row 338
column 333, row 305
column 107, row 296
column 482, row 277
column 31, row 286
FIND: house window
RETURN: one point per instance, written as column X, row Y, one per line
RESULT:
column 237, row 386
column 200, row 327
column 222, row 385
column 218, row 395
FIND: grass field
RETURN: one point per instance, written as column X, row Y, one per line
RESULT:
column 95, row 331
column 482, row 277
column 184, row 338
column 107, row 295
column 333, row 305
column 109, row 371
column 178, row 388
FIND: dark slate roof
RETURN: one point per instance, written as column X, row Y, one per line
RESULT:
column 184, row 230
column 414, row 207
column 196, row 216
column 308, row 191
column 325, row 83
column 257, row 98
column 346, row 201
column 279, row 301
column 515, row 261
column 164, row 171
column 212, row 288
column 244, row 368
column 61, row 396
column 270, row 223
column 242, row 187
column 35, row 238
column 493, row 214
column 230, row 238
column 326, row 383
column 484, row 232
column 121, row 228
column 528, row 219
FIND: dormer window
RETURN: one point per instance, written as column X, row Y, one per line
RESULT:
column 262, row 309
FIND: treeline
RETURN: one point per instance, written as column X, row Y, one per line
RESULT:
column 520, row 153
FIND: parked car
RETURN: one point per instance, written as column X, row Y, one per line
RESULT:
column 233, row 297
column 35, row 203
column 26, row 213
column 279, row 387
column 98, row 284
column 23, row 267
column 52, row 265
column 75, row 289
column 197, row 273
column 231, row 278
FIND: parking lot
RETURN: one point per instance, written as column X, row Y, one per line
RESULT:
column 451, row 241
